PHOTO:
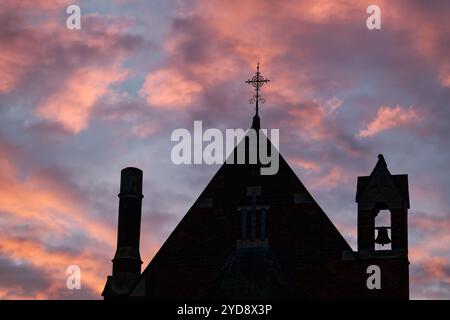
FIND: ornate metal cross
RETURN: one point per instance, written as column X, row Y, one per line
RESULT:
column 257, row 81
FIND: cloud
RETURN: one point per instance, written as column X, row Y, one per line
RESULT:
column 388, row 118
column 45, row 229
column 331, row 105
column 65, row 72
column 52, row 263
column 14, row 45
column 330, row 179
column 444, row 76
column 18, row 279
column 145, row 129
column 46, row 200
column 313, row 121
column 327, row 71
column 72, row 106
column 304, row 163
column 169, row 89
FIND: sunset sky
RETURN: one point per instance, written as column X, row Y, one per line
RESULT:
column 77, row 106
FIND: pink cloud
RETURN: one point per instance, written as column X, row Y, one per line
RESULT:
column 388, row 118
column 312, row 119
column 145, row 129
column 38, row 212
column 169, row 89
column 18, row 40
column 12, row 65
column 444, row 75
column 72, row 106
column 305, row 163
column 46, row 200
column 52, row 263
column 64, row 72
column 330, row 179
column 436, row 266
column 36, row 4
column 212, row 44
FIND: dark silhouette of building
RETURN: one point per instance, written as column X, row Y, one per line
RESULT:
column 255, row 236
column 264, row 236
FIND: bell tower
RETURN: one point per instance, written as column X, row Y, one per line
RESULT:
column 383, row 191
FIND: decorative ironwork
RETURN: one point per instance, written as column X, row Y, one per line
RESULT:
column 257, row 81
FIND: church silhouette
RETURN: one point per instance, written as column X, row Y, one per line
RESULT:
column 253, row 236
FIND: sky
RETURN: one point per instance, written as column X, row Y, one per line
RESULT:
column 77, row 106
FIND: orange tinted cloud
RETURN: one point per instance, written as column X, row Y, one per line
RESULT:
column 72, row 106
column 12, row 66
column 53, row 264
column 330, row 179
column 388, row 118
column 437, row 266
column 145, row 129
column 169, row 89
column 428, row 252
column 42, row 201
column 289, row 38
column 311, row 121
column 64, row 72
column 444, row 75
column 38, row 214
column 17, row 41
column 304, row 163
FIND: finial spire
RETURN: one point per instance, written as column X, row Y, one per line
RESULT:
column 257, row 81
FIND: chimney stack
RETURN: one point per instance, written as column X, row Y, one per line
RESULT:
column 127, row 260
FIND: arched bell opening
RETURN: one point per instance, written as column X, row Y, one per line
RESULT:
column 383, row 231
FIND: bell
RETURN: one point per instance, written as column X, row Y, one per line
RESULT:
column 382, row 236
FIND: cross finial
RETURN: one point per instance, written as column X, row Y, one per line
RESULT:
column 257, row 81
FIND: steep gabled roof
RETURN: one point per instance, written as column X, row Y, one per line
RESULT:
column 200, row 246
